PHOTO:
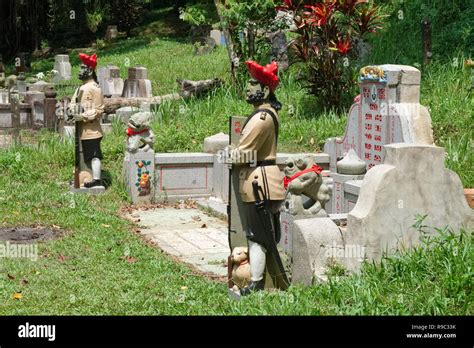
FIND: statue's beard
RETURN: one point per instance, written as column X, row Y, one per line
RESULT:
column 85, row 74
column 256, row 98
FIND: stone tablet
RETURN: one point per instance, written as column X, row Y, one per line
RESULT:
column 63, row 68
column 110, row 81
column 387, row 111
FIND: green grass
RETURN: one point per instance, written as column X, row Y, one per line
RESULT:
column 94, row 278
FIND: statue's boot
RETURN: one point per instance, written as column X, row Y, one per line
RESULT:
column 253, row 287
column 94, row 183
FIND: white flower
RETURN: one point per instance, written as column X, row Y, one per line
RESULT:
column 54, row 72
column 40, row 76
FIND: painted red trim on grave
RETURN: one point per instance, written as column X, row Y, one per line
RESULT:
column 183, row 188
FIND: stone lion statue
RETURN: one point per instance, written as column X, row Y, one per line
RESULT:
column 139, row 134
column 306, row 192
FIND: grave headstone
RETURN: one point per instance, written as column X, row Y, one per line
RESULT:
column 111, row 33
column 63, row 68
column 22, row 62
column 388, row 111
column 137, row 85
column 279, row 51
column 110, row 81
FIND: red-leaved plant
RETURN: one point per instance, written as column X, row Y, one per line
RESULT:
column 327, row 35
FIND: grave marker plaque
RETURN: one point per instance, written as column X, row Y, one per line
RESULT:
column 386, row 111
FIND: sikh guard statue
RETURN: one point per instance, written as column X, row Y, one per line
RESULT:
column 87, row 107
column 260, row 180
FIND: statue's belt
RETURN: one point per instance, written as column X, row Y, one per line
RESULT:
column 264, row 163
column 131, row 132
column 314, row 168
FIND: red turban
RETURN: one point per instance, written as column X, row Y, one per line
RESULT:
column 266, row 75
column 90, row 61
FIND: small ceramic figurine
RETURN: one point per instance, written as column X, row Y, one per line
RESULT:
column 240, row 267
column 139, row 134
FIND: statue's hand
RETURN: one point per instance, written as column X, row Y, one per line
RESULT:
column 79, row 117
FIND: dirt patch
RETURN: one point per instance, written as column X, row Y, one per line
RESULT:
column 26, row 235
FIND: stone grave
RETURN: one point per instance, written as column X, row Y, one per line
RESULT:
column 63, row 68
column 137, row 85
column 22, row 62
column 111, row 33
column 386, row 111
column 110, row 81
column 411, row 181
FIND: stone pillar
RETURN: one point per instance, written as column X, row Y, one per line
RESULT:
column 139, row 176
column 137, row 85
column 36, row 100
column 50, row 109
column 63, row 68
column 21, row 83
column 2, row 71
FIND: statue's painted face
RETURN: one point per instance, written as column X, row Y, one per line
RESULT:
column 84, row 72
column 256, row 93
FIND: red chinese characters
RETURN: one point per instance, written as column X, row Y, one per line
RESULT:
column 368, row 136
column 373, row 106
column 368, row 146
column 368, row 117
column 378, row 148
column 237, row 128
column 378, row 128
column 378, row 117
column 368, row 126
column 381, row 93
column 365, row 92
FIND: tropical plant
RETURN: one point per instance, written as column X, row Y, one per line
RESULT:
column 327, row 36
column 249, row 22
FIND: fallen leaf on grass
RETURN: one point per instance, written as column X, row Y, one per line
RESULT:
column 11, row 277
column 104, row 225
column 62, row 258
column 184, row 288
column 130, row 259
column 24, row 281
column 17, row 296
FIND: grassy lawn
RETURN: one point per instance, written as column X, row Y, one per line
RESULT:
column 85, row 272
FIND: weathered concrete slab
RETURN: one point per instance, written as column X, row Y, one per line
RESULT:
column 191, row 235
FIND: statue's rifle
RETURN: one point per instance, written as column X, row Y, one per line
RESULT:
column 77, row 145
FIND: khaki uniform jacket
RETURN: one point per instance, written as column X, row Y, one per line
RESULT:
column 92, row 106
column 258, row 138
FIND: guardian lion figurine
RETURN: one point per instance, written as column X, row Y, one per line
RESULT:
column 303, row 178
column 139, row 134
